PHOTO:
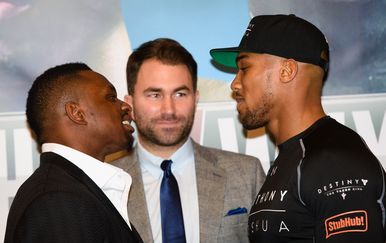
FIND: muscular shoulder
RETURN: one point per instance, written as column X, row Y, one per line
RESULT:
column 335, row 145
column 337, row 160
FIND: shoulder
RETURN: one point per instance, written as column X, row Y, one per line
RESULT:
column 333, row 155
column 333, row 135
column 224, row 156
column 332, row 143
column 51, row 183
column 58, row 216
column 232, row 163
column 45, row 207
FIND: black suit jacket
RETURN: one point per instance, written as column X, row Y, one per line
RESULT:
column 60, row 203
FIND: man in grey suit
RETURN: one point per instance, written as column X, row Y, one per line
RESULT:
column 216, row 188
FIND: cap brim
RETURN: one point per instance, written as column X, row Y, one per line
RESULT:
column 225, row 56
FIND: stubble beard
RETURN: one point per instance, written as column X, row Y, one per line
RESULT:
column 253, row 119
column 165, row 137
column 258, row 116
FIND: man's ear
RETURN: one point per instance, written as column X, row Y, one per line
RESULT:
column 288, row 70
column 197, row 94
column 129, row 100
column 75, row 113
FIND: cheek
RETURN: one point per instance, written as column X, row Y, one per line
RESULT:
column 254, row 97
column 145, row 112
column 254, row 85
column 141, row 107
column 186, row 108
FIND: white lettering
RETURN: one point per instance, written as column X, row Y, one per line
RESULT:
column 259, row 224
column 273, row 171
column 266, row 225
column 262, row 197
column 257, row 199
column 282, row 194
column 266, row 196
column 272, row 195
column 283, row 227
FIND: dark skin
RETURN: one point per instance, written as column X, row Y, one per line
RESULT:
column 281, row 94
column 92, row 120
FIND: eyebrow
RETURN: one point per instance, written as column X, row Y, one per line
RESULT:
column 112, row 88
column 240, row 57
column 155, row 89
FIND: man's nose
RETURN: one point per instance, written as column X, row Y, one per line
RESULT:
column 168, row 105
column 235, row 85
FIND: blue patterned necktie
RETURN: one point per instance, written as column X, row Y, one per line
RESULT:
column 172, row 220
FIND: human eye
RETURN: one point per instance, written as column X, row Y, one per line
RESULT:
column 112, row 97
column 243, row 65
column 153, row 95
column 243, row 68
column 180, row 94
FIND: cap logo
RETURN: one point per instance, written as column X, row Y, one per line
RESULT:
column 249, row 30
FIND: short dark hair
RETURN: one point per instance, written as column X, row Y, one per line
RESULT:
column 47, row 91
column 167, row 51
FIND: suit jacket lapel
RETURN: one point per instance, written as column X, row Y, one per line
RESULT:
column 77, row 173
column 137, row 207
column 211, row 182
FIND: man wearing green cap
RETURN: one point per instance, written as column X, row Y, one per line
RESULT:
column 325, row 185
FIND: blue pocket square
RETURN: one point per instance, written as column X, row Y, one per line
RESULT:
column 236, row 211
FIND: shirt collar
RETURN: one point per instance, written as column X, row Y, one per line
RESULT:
column 152, row 163
column 98, row 171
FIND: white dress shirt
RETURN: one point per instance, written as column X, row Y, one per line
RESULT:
column 183, row 168
column 113, row 181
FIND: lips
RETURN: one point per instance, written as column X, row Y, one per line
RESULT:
column 126, row 122
column 239, row 98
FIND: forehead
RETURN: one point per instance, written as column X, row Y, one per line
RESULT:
column 156, row 74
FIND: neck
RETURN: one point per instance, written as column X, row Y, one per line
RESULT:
column 299, row 105
column 161, row 151
column 292, row 121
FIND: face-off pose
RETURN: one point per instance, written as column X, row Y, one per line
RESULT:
column 325, row 185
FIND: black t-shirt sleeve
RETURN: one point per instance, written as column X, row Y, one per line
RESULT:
column 344, row 190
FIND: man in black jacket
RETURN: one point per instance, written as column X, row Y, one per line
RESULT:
column 73, row 196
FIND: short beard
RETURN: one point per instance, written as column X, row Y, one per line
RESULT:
column 258, row 116
column 149, row 134
column 254, row 119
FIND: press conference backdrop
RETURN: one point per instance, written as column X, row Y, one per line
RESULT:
column 103, row 33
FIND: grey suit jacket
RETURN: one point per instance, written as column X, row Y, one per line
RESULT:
column 225, row 181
